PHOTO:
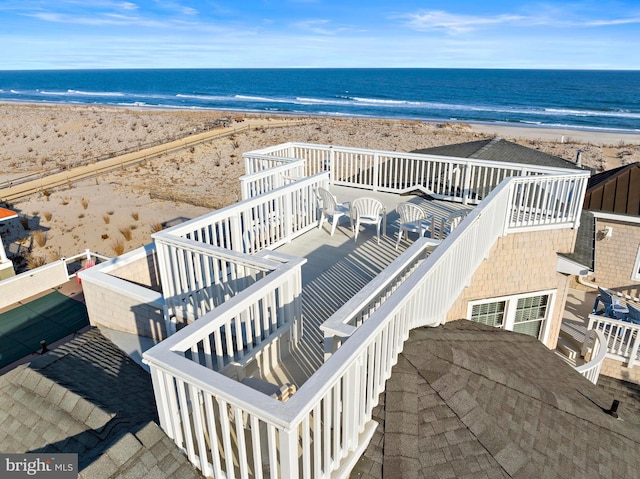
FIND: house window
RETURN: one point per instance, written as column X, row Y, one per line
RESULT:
column 635, row 274
column 522, row 313
column 491, row 314
column 530, row 314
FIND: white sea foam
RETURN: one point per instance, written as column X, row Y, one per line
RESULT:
column 261, row 99
column 95, row 93
column 203, row 97
column 585, row 113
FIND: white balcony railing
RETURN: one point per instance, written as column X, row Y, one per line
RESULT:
column 231, row 430
column 344, row 322
column 455, row 179
column 596, row 342
column 621, row 338
column 270, row 179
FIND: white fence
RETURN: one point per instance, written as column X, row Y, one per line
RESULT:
column 597, row 342
column 230, row 430
column 222, row 434
column 622, row 338
column 202, row 277
column 270, row 179
column 456, row 179
column 357, row 310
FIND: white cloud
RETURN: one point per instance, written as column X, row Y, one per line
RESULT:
column 315, row 26
column 457, row 24
column 453, row 23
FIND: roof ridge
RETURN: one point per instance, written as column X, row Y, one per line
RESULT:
column 486, row 147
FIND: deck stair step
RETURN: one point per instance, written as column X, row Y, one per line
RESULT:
column 568, row 346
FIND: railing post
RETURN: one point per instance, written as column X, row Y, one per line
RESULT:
column 585, row 344
column 287, row 218
column 332, row 165
column 634, row 350
column 376, row 166
column 236, row 233
column 247, row 165
column 509, row 209
column 466, row 183
column 579, row 199
column 244, row 189
column 288, row 452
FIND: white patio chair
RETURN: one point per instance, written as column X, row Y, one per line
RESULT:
column 368, row 211
column 331, row 207
column 448, row 224
column 413, row 219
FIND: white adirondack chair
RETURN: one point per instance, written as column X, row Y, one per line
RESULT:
column 368, row 211
column 331, row 207
column 413, row 219
column 448, row 224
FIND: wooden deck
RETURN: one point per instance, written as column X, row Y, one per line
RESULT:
column 337, row 267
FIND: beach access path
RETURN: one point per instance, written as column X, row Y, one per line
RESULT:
column 66, row 177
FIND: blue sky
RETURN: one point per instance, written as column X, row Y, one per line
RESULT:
column 594, row 34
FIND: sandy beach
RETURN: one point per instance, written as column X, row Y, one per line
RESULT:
column 118, row 210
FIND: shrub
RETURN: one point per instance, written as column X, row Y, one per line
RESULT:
column 106, row 219
column 34, row 262
column 40, row 237
column 134, row 215
column 84, row 203
column 155, row 227
column 47, row 215
column 126, row 232
column 117, row 247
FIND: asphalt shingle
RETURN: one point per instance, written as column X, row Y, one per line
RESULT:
column 497, row 404
column 88, row 397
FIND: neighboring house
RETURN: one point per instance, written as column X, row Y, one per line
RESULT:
column 88, row 397
column 522, row 276
column 497, row 149
column 237, row 295
column 609, row 244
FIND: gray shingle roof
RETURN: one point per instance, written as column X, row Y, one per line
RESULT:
column 466, row 400
column 498, row 149
column 88, row 397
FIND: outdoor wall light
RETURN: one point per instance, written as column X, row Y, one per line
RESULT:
column 607, row 232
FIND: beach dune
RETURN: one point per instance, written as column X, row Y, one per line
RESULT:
column 119, row 208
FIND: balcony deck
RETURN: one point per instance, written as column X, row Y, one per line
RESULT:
column 250, row 312
column 337, row 267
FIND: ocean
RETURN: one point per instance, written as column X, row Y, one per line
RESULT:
column 598, row 100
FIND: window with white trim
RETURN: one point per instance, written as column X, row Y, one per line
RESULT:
column 635, row 274
column 521, row 313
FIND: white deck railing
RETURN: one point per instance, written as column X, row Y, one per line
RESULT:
column 456, row 179
column 267, row 221
column 229, row 429
column 622, row 338
column 204, row 261
column 272, row 178
column 203, row 277
column 596, row 341
column 343, row 323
